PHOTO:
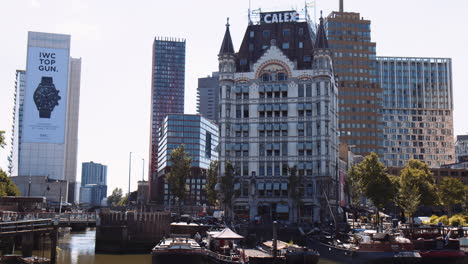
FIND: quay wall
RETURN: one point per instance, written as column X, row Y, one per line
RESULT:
column 130, row 232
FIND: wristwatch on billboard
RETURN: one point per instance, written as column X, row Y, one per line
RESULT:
column 46, row 97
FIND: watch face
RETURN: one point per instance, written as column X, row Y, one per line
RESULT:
column 46, row 97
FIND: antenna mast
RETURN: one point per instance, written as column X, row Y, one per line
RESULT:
column 250, row 19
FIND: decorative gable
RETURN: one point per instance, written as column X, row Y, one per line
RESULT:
column 273, row 55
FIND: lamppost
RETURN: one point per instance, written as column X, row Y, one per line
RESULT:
column 143, row 170
column 129, row 172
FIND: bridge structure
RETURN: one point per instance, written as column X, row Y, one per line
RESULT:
column 30, row 226
column 77, row 221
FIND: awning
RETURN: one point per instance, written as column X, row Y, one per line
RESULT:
column 276, row 186
column 261, row 186
column 261, row 88
column 284, row 87
column 284, row 107
column 227, row 233
column 245, row 89
column 261, row 126
column 261, row 108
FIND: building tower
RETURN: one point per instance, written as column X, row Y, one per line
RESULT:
column 278, row 104
column 167, row 94
column 200, row 139
column 208, row 97
column 93, row 183
column 354, row 57
column 417, row 110
column 44, row 143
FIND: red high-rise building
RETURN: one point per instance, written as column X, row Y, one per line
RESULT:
column 167, row 94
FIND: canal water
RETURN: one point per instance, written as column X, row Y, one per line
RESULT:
column 78, row 248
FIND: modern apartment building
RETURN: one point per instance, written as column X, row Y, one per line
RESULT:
column 208, row 97
column 278, row 110
column 417, row 110
column 200, row 138
column 167, row 93
column 46, row 110
column 354, row 60
column 461, row 148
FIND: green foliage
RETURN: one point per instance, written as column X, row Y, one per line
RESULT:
column 7, row 187
column 2, row 139
column 123, row 201
column 457, row 220
column 180, row 170
column 211, row 180
column 227, row 185
column 294, row 182
column 371, row 175
column 433, row 219
column 443, row 219
column 417, row 174
column 353, row 185
column 115, row 197
column 451, row 191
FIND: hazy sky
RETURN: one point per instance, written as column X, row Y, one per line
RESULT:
column 114, row 38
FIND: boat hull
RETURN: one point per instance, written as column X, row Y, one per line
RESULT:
column 174, row 257
column 444, row 256
column 351, row 256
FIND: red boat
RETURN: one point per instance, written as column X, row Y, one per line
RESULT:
column 436, row 245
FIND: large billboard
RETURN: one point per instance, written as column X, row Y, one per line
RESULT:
column 45, row 102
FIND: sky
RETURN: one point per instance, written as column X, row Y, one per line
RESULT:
column 114, row 39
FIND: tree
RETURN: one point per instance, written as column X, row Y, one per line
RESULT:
column 7, row 187
column 294, row 193
column 2, row 139
column 123, row 201
column 354, row 186
column 376, row 183
column 227, row 187
column 415, row 187
column 451, row 191
column 115, row 197
column 177, row 177
column 211, row 180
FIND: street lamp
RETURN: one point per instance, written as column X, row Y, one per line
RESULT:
column 129, row 172
column 143, row 170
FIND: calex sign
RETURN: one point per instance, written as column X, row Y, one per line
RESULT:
column 279, row 17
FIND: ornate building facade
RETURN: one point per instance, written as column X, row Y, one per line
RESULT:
column 278, row 110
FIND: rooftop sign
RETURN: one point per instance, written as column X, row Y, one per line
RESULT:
column 279, row 17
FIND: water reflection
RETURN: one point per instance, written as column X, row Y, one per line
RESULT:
column 78, row 248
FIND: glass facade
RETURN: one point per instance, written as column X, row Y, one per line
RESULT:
column 200, row 139
column 417, row 110
column 168, row 87
column 354, row 58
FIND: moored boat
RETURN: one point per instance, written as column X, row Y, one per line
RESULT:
column 364, row 248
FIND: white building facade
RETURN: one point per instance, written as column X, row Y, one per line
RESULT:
column 278, row 110
column 46, row 112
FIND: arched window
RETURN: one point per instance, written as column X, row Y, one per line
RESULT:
column 266, row 77
column 281, row 76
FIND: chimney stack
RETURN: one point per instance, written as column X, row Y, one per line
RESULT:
column 341, row 6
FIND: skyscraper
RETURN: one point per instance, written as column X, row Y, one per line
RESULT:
column 278, row 101
column 167, row 93
column 46, row 113
column 417, row 110
column 208, row 97
column 354, row 59
column 93, row 183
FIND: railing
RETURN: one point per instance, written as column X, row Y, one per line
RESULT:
column 63, row 218
column 7, row 228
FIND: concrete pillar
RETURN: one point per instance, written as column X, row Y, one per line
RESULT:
column 27, row 244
